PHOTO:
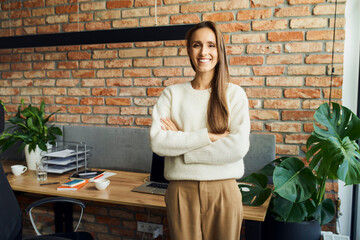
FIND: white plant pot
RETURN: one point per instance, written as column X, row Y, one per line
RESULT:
column 33, row 157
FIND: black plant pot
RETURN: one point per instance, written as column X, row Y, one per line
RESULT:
column 275, row 230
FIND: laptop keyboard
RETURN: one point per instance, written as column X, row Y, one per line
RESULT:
column 158, row 185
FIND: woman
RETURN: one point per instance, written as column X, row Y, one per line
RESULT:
column 202, row 128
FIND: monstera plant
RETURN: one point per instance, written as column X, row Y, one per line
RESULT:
column 298, row 192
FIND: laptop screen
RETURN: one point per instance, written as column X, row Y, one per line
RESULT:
column 157, row 169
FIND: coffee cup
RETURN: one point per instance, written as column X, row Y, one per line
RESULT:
column 102, row 184
column 17, row 170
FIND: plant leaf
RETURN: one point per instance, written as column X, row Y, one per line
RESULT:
column 288, row 211
column 256, row 193
column 325, row 212
column 293, row 181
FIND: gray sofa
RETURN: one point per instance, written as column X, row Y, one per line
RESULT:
column 129, row 148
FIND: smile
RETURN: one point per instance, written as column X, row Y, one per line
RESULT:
column 204, row 60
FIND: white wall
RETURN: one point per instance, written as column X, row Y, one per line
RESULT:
column 350, row 88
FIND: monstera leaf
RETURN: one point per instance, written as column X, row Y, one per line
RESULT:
column 288, row 211
column 325, row 212
column 256, row 193
column 332, row 149
column 293, row 181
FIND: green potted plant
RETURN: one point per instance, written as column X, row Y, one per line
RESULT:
column 29, row 126
column 298, row 192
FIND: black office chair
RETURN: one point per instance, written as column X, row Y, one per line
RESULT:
column 10, row 213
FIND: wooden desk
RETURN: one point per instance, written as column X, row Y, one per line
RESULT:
column 118, row 192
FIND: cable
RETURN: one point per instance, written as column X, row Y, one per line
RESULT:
column 332, row 53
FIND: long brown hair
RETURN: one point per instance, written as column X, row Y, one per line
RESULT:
column 217, row 112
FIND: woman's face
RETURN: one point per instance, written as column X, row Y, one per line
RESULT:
column 203, row 50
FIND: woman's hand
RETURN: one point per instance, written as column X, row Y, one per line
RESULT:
column 168, row 125
column 214, row 137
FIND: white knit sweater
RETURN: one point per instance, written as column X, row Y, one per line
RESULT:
column 189, row 153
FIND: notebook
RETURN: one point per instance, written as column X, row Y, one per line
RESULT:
column 157, row 184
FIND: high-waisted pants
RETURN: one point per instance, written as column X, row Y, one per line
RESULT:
column 204, row 210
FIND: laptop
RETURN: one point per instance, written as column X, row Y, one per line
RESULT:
column 157, row 184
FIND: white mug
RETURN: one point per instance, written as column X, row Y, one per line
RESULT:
column 18, row 169
column 102, row 184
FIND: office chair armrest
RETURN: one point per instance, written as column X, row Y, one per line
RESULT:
column 53, row 200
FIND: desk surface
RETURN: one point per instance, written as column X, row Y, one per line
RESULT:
column 118, row 192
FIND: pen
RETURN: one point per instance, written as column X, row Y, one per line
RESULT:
column 49, row 183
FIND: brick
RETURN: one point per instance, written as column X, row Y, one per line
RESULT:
column 79, row 109
column 33, row 3
column 196, row 7
column 248, row 81
column 283, row 127
column 79, row 56
column 256, row 126
column 312, row 104
column 324, row 58
column 157, row 52
column 171, row 81
column 126, row 23
column 12, row 75
column 92, row 101
column 284, row 81
column 5, row 83
column 308, row 23
column 10, row 58
column 107, row 15
column 118, row 82
column 329, row 9
column 184, row 19
column 154, row 92
column 48, row 29
column 142, row 122
column 118, row 63
column 268, row 3
column 231, row 5
column 264, row 115
column 30, row 91
column 325, row 35
column 81, row 17
column 296, row 2
column 254, row 103
column 67, row 100
column 248, row 60
column 176, row 1
column 264, row 93
column 118, row 101
column 145, row 101
column 34, row 74
column 66, row 9
column 219, row 17
column 44, row 65
column 34, row 21
column 239, row 71
column 43, row 11
column 116, row 120
column 189, row 72
column 176, row 61
column 55, row 2
column 306, row 70
column 68, row 118
column 106, row 110
column 163, row 72
column 22, row 83
column 303, row 47
column 285, row 36
column 248, row 38
column 137, row 72
column 281, row 104
column 147, row 62
column 297, row 115
column 54, row 91
column 340, row 22
column 56, row 19
column 58, row 74
column 148, row 44
column 254, row 14
column 108, row 220
column 136, row 12
column 119, row 4
column 66, row 82
column 20, row 14
column 132, row 92
column 44, row 82
column 93, row 119
column 38, row 100
column 109, row 73
column 323, row 81
column 338, row 69
column 264, row 71
column 147, row 3
column 133, row 111
column 284, row 59
column 263, row 25
column 67, row 65
column 147, row 82
column 130, row 53
column 92, row 82
column 78, row 92
column 234, row 27
column 284, row 149
column 92, row 26
column 263, row 49
column 296, row 138
column 292, row 11
column 234, row 50
column 83, row 73
column 73, row 27
column 302, row 93
column 335, row 93
column 104, row 92
column 92, row 6
column 104, row 54
column 92, row 64
column 20, row 66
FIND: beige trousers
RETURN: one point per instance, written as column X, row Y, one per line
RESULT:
column 204, row 210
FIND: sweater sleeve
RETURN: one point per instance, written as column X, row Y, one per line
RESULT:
column 173, row 143
column 233, row 147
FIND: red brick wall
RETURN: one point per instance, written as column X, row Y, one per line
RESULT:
column 279, row 51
